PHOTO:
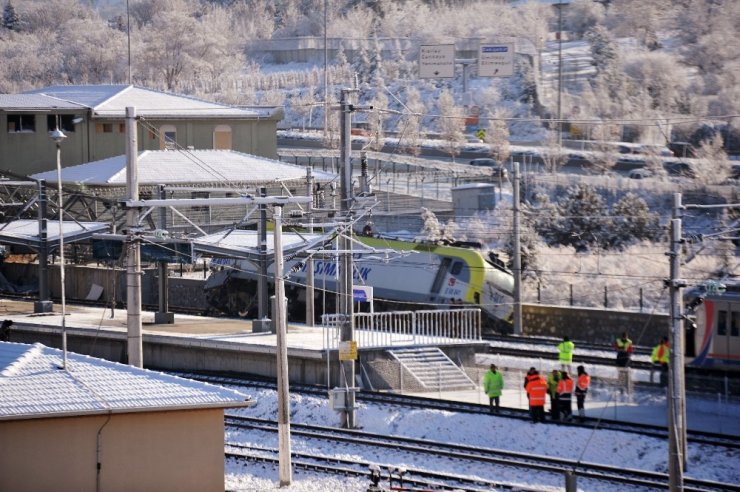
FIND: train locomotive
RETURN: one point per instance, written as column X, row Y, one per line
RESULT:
column 713, row 341
column 415, row 275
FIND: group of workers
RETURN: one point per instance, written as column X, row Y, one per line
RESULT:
column 560, row 386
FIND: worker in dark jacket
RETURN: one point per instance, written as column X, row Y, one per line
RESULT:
column 5, row 330
column 582, row 384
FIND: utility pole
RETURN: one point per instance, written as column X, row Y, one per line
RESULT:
column 517, row 255
column 326, row 74
column 310, row 315
column 282, row 354
column 345, row 271
column 676, row 389
column 133, row 260
column 560, row 74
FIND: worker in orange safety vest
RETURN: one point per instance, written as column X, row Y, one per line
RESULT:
column 536, row 387
column 584, row 381
column 565, row 395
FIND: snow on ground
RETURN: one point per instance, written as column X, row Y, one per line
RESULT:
column 583, row 444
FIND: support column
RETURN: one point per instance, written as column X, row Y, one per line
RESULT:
column 163, row 316
column 310, row 315
column 44, row 304
column 263, row 322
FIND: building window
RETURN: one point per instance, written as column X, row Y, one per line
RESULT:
column 18, row 123
column 222, row 137
column 104, row 128
column 167, row 137
column 122, row 128
column 66, row 122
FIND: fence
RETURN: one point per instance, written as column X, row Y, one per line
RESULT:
column 398, row 328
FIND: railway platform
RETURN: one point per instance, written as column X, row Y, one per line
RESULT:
column 197, row 343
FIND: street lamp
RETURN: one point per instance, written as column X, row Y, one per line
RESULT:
column 57, row 136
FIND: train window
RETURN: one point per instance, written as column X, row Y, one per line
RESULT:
column 456, row 268
column 441, row 273
column 721, row 322
column 735, row 324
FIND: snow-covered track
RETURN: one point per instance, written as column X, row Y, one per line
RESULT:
column 244, row 383
column 332, row 465
column 477, row 457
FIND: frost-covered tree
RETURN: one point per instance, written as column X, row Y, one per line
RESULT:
column 552, row 153
column 498, row 136
column 582, row 15
column 637, row 19
column 451, row 123
column 431, row 229
column 376, row 119
column 660, row 76
column 363, row 66
column 409, row 125
column 714, row 167
column 633, row 222
column 581, row 218
column 11, row 21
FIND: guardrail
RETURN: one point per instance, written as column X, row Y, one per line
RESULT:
column 397, row 328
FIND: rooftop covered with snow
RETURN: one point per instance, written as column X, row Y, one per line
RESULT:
column 224, row 167
column 33, row 385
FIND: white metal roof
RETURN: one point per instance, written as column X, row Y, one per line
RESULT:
column 245, row 244
column 31, row 102
column 32, row 385
column 111, row 101
column 225, row 167
column 26, row 232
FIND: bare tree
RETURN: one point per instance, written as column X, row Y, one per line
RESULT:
column 714, row 167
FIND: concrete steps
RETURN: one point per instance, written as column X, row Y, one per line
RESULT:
column 432, row 368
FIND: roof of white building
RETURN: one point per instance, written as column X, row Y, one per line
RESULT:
column 110, row 101
column 29, row 102
column 33, row 385
column 174, row 167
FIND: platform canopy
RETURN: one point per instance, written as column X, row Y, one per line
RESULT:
column 226, row 168
column 26, row 232
column 245, row 244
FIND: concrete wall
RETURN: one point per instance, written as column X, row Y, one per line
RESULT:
column 593, row 325
column 175, row 451
column 183, row 292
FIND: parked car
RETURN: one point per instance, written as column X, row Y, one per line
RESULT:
column 679, row 168
column 498, row 171
column 640, row 174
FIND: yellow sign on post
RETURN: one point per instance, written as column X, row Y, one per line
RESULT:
column 348, row 350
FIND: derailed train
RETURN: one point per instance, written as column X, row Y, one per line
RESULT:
column 714, row 339
column 414, row 275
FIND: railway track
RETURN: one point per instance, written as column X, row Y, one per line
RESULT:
column 694, row 436
column 419, row 451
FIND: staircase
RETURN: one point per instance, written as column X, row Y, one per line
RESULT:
column 432, row 368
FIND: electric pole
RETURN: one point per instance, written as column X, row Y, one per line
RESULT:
column 281, row 328
column 676, row 389
column 133, row 259
column 517, row 255
column 346, row 307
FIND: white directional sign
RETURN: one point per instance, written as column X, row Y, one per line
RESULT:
column 496, row 60
column 437, row 61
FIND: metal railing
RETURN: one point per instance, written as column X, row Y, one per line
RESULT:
column 397, row 328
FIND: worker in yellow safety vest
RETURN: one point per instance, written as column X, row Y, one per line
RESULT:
column 660, row 358
column 565, row 350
